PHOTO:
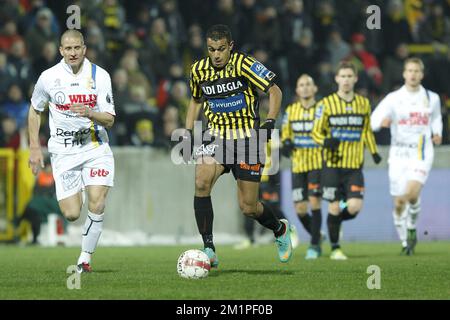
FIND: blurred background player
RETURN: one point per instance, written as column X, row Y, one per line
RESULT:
column 413, row 115
column 225, row 85
column 343, row 129
column 79, row 97
column 306, row 157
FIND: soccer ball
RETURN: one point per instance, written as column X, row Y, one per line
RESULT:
column 193, row 264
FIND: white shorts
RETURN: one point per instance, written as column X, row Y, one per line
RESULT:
column 72, row 172
column 404, row 170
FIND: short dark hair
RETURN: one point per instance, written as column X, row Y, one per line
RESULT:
column 218, row 32
column 346, row 65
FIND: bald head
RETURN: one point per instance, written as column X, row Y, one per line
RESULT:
column 73, row 49
column 72, row 33
column 306, row 88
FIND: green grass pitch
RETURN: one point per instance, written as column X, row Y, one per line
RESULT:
column 150, row 273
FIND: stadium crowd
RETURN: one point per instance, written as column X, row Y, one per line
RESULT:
column 149, row 45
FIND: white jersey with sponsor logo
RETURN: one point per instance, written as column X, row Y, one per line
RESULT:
column 415, row 117
column 59, row 87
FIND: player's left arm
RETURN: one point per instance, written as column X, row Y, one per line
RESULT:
column 369, row 138
column 106, row 114
column 436, row 121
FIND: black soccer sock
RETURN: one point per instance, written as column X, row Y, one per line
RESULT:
column 204, row 216
column 334, row 226
column 270, row 221
column 316, row 224
column 306, row 222
column 249, row 227
column 345, row 215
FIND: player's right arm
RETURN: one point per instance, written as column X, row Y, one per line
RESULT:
column 39, row 100
column 382, row 115
column 192, row 112
column 36, row 161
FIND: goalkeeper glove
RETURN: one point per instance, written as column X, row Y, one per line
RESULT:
column 268, row 125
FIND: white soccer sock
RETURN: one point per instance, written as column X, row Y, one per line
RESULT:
column 400, row 225
column 91, row 233
column 413, row 214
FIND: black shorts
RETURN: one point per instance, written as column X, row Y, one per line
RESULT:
column 305, row 184
column 341, row 184
column 245, row 158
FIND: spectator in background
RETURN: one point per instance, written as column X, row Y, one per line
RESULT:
column 337, row 48
column 160, row 49
column 324, row 22
column 130, row 63
column 245, row 20
column 434, row 26
column 174, row 22
column 195, row 48
column 16, row 106
column 325, row 78
column 395, row 26
column 112, row 21
column 178, row 100
column 48, row 58
column 268, row 31
column 294, row 22
column 8, row 35
column 6, row 76
column 20, row 65
column 393, row 68
column 40, row 33
column 121, row 93
column 365, row 60
column 10, row 136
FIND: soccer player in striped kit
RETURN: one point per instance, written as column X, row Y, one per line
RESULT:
column 413, row 115
column 306, row 154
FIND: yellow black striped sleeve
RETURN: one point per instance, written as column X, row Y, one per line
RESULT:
column 368, row 136
column 321, row 123
column 196, row 91
column 256, row 73
column 286, row 129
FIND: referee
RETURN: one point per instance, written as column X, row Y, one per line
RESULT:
column 343, row 129
column 225, row 86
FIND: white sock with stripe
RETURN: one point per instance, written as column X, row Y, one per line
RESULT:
column 400, row 225
column 413, row 214
column 91, row 233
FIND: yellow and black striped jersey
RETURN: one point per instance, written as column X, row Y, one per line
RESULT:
column 230, row 93
column 298, row 123
column 348, row 121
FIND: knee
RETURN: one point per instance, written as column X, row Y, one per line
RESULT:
column 412, row 197
column 71, row 214
column 248, row 208
column 399, row 206
column 97, row 205
column 202, row 186
column 354, row 209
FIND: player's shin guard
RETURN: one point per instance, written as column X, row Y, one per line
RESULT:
column 270, row 221
column 91, row 233
column 412, row 215
column 400, row 225
column 316, row 224
column 334, row 226
column 204, row 216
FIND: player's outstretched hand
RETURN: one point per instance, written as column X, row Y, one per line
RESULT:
column 187, row 141
column 376, row 158
column 268, row 125
column 331, row 143
column 81, row 110
column 286, row 149
column 36, row 161
column 437, row 140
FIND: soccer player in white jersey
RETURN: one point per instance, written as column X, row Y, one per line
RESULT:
column 414, row 117
column 79, row 97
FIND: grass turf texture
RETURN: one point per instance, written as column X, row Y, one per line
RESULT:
column 150, row 273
